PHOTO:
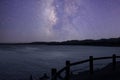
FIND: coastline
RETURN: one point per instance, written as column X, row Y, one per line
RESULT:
column 112, row 42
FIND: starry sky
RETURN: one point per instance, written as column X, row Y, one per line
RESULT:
column 58, row 20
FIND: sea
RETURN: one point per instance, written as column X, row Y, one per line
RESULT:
column 19, row 62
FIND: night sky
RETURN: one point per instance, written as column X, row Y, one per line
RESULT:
column 58, row 20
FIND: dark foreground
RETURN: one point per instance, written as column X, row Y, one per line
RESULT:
column 106, row 73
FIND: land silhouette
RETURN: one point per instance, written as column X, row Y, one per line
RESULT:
column 87, row 42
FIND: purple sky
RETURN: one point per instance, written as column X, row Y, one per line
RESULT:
column 58, row 20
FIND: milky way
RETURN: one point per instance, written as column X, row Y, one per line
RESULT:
column 58, row 20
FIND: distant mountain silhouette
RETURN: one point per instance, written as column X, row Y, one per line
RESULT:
column 100, row 42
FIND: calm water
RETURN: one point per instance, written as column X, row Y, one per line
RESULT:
column 19, row 62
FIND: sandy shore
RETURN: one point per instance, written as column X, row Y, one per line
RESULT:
column 106, row 73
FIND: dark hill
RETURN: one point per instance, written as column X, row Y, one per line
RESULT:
column 100, row 42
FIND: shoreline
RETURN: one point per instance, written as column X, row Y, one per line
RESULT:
column 105, row 73
column 111, row 42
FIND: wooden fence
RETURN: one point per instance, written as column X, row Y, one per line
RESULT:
column 57, row 74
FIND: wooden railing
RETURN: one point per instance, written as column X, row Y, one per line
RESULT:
column 57, row 74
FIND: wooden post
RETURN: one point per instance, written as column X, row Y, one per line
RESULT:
column 31, row 78
column 53, row 74
column 91, row 64
column 114, row 61
column 67, row 75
